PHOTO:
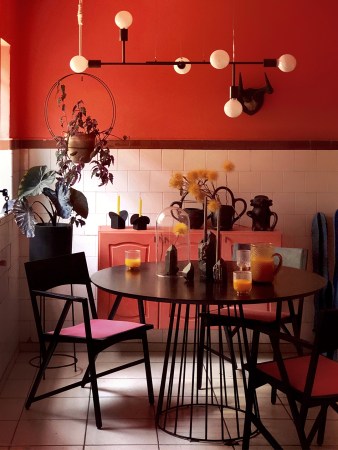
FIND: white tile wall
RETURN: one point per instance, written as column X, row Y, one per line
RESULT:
column 299, row 182
column 9, row 269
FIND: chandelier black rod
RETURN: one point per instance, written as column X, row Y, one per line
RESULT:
column 95, row 63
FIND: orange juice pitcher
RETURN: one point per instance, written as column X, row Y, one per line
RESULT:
column 263, row 266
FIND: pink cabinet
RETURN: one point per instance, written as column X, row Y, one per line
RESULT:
column 113, row 243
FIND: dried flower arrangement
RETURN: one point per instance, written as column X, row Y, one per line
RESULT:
column 200, row 183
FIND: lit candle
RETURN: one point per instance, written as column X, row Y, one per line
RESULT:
column 118, row 205
column 140, row 207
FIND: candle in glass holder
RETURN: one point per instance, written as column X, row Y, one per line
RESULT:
column 242, row 281
column 132, row 259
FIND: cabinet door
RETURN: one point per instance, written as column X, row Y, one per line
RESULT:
column 111, row 253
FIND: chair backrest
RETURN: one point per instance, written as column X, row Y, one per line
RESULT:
column 70, row 269
column 292, row 257
column 326, row 339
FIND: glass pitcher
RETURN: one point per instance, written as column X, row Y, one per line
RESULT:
column 263, row 265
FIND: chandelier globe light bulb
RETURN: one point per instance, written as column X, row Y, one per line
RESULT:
column 123, row 19
column 219, row 59
column 78, row 64
column 233, row 108
column 286, row 63
column 185, row 67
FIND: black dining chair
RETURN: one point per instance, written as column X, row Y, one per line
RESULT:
column 48, row 279
column 263, row 313
column 309, row 380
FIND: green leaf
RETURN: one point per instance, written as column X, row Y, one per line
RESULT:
column 24, row 217
column 35, row 180
column 79, row 203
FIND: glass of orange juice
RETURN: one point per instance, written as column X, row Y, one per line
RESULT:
column 132, row 259
column 242, row 281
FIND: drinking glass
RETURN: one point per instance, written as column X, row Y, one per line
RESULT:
column 132, row 259
column 243, row 259
column 242, row 281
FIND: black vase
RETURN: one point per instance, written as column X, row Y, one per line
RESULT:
column 50, row 241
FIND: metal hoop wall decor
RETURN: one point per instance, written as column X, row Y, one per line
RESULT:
column 105, row 132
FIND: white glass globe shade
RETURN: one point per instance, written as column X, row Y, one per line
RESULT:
column 219, row 59
column 123, row 19
column 286, row 63
column 78, row 64
column 185, row 69
column 233, row 108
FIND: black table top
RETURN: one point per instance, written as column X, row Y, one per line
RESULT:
column 145, row 284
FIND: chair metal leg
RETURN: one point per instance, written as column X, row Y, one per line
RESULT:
column 148, row 370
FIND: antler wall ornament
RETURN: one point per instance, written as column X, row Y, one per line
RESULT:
column 252, row 99
column 247, row 100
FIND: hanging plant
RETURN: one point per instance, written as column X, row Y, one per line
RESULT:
column 81, row 140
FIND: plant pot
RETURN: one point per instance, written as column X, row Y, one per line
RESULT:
column 50, row 241
column 81, row 147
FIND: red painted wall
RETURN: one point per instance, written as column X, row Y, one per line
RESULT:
column 156, row 103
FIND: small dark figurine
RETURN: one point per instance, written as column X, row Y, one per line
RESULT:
column 207, row 256
column 261, row 214
column 189, row 272
column 219, row 271
column 118, row 221
column 171, row 261
column 139, row 222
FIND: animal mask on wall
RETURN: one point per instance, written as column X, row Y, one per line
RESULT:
column 253, row 99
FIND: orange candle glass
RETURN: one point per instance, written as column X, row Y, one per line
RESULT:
column 132, row 259
column 242, row 281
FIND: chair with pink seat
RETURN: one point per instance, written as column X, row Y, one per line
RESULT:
column 45, row 277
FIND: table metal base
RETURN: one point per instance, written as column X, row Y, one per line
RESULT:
column 211, row 409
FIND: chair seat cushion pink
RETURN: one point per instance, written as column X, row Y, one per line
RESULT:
column 326, row 379
column 100, row 328
column 261, row 314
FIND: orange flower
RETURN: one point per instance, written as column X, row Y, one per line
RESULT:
column 180, row 229
column 213, row 205
column 228, row 166
column 176, row 181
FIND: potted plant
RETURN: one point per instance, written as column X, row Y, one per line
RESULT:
column 82, row 142
column 63, row 202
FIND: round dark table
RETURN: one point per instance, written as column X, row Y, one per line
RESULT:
column 186, row 408
column 144, row 284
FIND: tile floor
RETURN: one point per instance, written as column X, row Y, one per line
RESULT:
column 67, row 422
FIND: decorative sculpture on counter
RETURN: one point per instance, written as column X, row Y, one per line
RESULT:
column 172, row 242
column 118, row 220
column 261, row 214
column 219, row 269
column 189, row 272
column 170, row 267
column 5, row 194
column 206, row 249
column 139, row 222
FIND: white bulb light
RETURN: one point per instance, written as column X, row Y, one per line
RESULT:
column 185, row 69
column 233, row 108
column 219, row 59
column 78, row 64
column 123, row 19
column 286, row 63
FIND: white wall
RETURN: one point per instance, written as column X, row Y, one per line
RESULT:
column 300, row 183
column 9, row 274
